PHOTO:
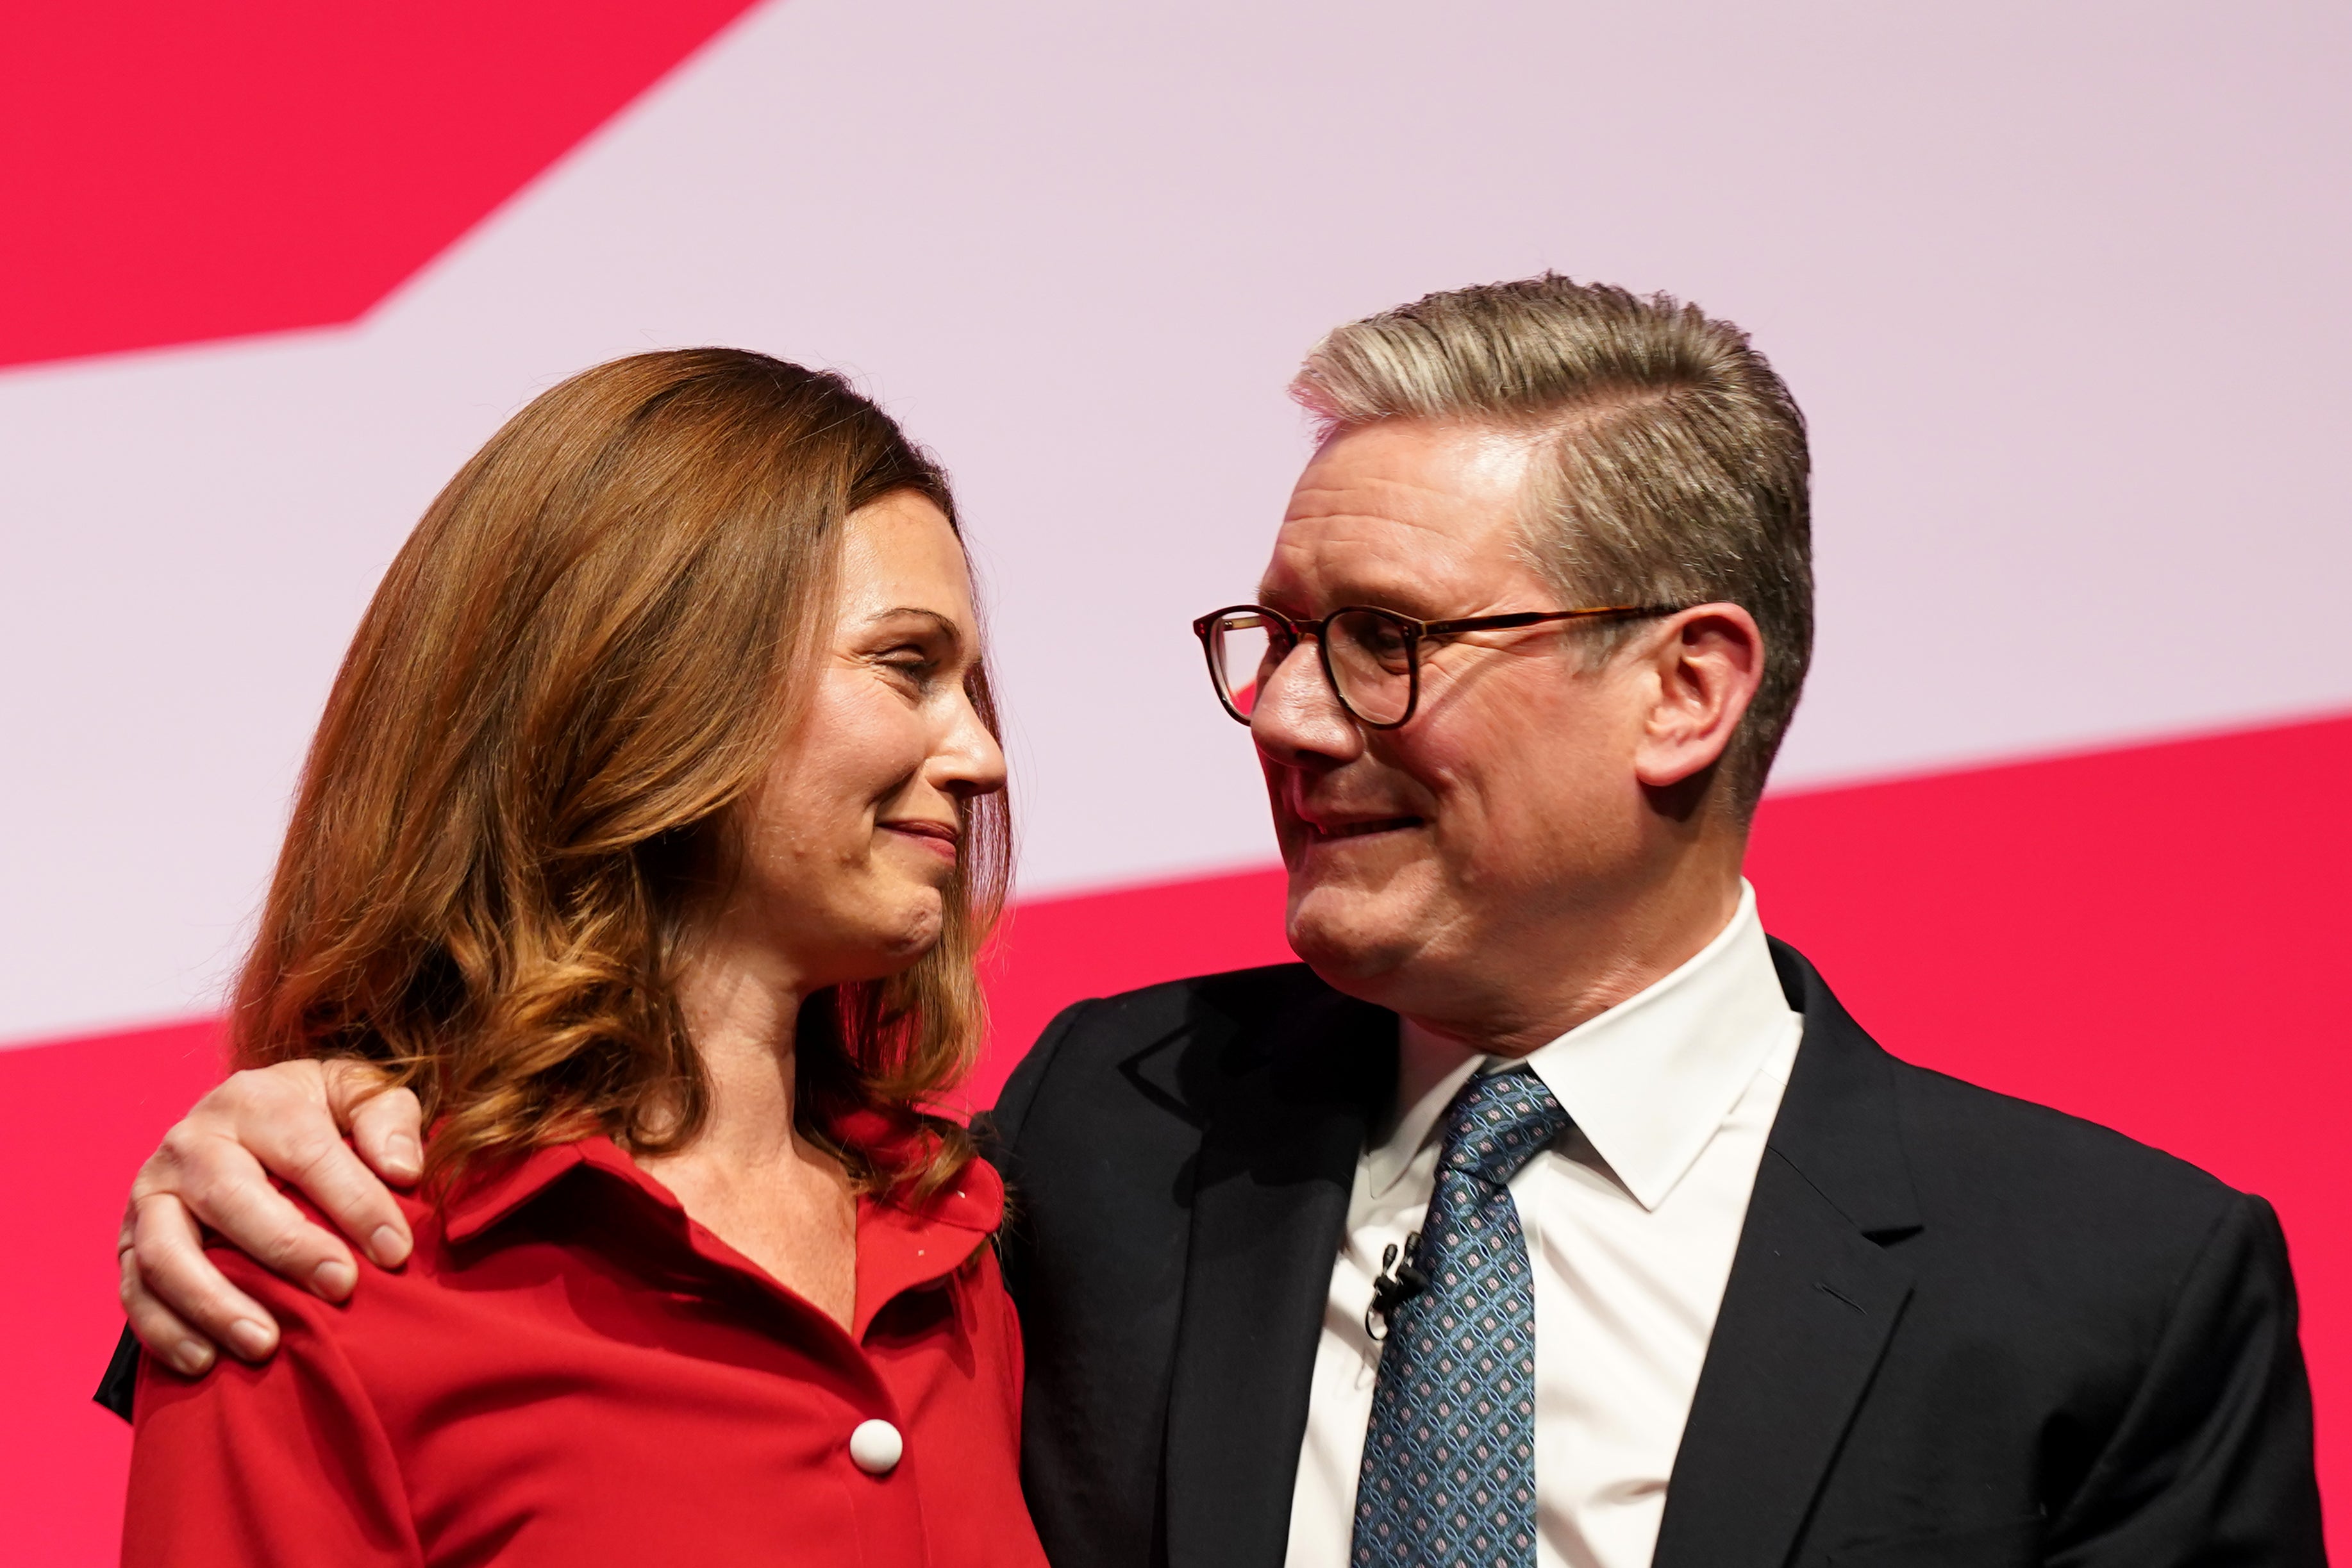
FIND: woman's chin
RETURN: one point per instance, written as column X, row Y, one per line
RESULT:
column 907, row 937
column 868, row 939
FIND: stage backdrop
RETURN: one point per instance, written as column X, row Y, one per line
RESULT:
column 2062, row 287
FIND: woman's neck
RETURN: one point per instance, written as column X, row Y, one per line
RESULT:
column 742, row 1012
column 747, row 1174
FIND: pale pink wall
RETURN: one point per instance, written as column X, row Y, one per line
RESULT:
column 2062, row 287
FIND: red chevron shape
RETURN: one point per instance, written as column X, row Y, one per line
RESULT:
column 171, row 173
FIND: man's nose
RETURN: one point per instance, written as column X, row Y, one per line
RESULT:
column 1298, row 716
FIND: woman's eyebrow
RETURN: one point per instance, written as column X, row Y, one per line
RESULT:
column 939, row 623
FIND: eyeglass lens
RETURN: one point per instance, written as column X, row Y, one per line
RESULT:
column 1243, row 646
column 1370, row 655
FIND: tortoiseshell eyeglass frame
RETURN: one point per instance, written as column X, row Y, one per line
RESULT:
column 1289, row 631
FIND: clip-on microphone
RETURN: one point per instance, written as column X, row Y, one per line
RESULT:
column 1398, row 1283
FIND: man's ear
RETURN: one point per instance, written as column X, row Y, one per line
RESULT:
column 1707, row 662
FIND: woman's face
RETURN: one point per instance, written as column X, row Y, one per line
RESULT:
column 850, row 844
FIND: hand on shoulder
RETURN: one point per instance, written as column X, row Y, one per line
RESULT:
column 213, row 1169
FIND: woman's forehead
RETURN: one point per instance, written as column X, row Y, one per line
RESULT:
column 900, row 551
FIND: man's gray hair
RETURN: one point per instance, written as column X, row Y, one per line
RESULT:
column 1675, row 469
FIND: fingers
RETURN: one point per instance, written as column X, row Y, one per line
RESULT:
column 286, row 1117
column 213, row 1169
column 162, row 1255
column 388, row 1128
column 340, row 1183
column 159, row 1329
column 224, row 1186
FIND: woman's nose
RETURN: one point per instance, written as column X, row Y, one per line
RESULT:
column 969, row 761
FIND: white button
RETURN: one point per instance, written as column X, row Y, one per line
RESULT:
column 875, row 1447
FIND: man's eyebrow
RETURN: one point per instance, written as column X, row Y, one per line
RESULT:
column 1404, row 599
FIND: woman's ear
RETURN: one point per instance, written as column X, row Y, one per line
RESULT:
column 1708, row 663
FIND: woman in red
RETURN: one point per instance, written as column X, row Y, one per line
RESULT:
column 647, row 837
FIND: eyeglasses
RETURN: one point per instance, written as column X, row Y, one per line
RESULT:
column 1371, row 656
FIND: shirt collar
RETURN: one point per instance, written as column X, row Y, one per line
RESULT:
column 483, row 1202
column 904, row 1247
column 901, row 1244
column 1648, row 1082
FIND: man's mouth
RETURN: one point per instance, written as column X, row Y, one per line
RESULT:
column 1360, row 827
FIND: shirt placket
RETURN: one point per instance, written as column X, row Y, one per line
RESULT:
column 875, row 1455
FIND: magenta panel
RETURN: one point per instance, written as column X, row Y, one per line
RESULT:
column 91, row 1109
column 176, row 172
column 2151, row 938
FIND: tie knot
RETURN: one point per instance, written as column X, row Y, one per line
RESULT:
column 1498, row 1122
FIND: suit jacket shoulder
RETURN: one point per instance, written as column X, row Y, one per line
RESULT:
column 1958, row 1320
column 1186, row 1039
column 2082, row 1170
column 1107, row 1134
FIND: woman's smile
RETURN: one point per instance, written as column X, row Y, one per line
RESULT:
column 940, row 838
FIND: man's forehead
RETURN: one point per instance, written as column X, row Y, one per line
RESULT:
column 1395, row 512
column 1407, row 464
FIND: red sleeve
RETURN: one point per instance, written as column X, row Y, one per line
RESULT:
column 280, row 1464
column 1016, row 1358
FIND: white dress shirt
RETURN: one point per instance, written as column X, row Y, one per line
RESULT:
column 1630, row 1221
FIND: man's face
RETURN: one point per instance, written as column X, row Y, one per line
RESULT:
column 1426, row 862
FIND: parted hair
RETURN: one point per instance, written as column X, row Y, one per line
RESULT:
column 1675, row 467
column 519, row 799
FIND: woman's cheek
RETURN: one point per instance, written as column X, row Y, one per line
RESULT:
column 873, row 739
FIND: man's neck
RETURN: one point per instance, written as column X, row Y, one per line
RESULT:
column 1510, row 1003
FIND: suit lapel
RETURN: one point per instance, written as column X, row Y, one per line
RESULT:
column 1270, row 1201
column 1812, row 1301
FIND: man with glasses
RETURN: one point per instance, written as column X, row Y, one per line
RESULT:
column 1550, row 1214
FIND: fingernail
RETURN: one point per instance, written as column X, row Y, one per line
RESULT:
column 334, row 1279
column 402, row 1157
column 191, row 1357
column 387, row 1247
column 248, row 1339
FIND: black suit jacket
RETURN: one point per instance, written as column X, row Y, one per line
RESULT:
column 1959, row 1328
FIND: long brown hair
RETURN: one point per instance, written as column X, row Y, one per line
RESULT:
column 589, row 650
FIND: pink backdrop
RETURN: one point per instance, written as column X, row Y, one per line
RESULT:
column 2062, row 289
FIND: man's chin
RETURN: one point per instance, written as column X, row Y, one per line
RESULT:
column 1348, row 938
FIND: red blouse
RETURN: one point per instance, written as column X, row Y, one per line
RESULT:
column 570, row 1371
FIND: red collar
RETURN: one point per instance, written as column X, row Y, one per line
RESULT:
column 902, row 1246
column 483, row 1201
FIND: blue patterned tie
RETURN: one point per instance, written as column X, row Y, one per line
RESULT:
column 1449, row 1475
